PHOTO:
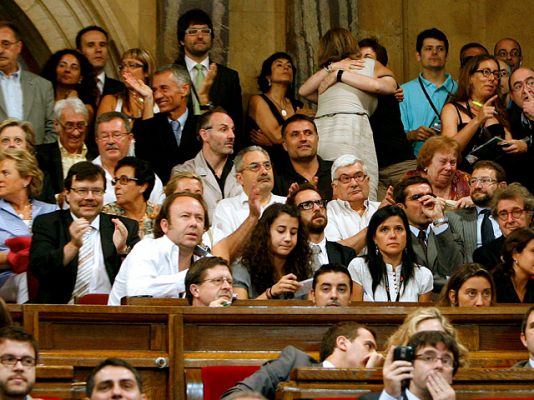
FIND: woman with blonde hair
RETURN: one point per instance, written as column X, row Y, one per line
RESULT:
column 345, row 90
column 17, row 134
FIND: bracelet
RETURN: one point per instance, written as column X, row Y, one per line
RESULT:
column 339, row 75
column 268, row 293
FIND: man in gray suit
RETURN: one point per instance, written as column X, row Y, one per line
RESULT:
column 527, row 338
column 475, row 225
column 344, row 345
column 24, row 95
column 433, row 241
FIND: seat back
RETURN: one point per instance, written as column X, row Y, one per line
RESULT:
column 217, row 379
column 93, row 298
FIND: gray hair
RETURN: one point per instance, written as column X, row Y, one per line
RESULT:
column 346, row 160
column 111, row 115
column 238, row 160
column 179, row 73
column 72, row 102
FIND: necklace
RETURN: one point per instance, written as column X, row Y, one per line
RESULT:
column 283, row 110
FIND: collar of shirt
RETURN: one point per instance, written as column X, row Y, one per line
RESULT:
column 321, row 244
column 181, row 119
column 95, row 223
column 415, row 230
column 65, row 153
column 101, row 81
column 346, row 204
column 448, row 83
column 328, row 364
column 190, row 64
column 15, row 75
column 531, row 362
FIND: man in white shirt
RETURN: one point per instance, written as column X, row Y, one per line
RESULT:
column 113, row 139
column 344, row 345
column 254, row 171
column 158, row 266
column 212, row 163
column 350, row 213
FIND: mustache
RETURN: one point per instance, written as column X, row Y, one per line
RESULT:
column 112, row 146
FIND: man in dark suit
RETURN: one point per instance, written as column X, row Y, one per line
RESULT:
column 344, row 345
column 80, row 250
column 434, row 244
column 429, row 374
column 170, row 137
column 195, row 38
column 527, row 338
column 313, row 215
column 332, row 286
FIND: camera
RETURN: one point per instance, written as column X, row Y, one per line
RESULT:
column 404, row 353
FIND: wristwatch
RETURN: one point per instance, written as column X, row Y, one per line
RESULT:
column 207, row 107
column 440, row 221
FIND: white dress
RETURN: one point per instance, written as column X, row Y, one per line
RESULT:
column 342, row 121
column 422, row 282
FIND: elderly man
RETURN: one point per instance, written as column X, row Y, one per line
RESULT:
column 350, row 213
column 254, row 173
column 114, row 378
column 168, row 138
column 157, row 267
column 527, row 338
column 475, row 225
column 344, row 345
column 509, row 50
column 300, row 140
column 113, row 140
column 23, row 95
column 513, row 207
column 434, row 244
column 208, row 283
column 79, row 251
column 71, row 122
column 213, row 163
column 332, row 286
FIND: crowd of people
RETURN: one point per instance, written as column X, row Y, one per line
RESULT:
column 419, row 191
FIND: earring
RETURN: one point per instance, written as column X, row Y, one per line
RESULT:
column 269, row 82
column 376, row 250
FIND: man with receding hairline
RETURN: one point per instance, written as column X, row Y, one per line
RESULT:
column 509, row 50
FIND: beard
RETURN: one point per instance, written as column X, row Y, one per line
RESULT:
column 482, row 201
column 316, row 227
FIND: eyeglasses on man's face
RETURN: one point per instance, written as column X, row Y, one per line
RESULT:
column 71, row 126
column 198, row 31
column 484, row 181
column 255, row 167
column 518, row 86
column 308, row 205
column 516, row 213
column 358, row 177
column 85, row 191
column 9, row 360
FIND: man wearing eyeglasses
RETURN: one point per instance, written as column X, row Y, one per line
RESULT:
column 79, row 251
column 513, row 208
column 113, row 140
column 208, row 283
column 195, row 39
column 71, row 121
column 24, row 95
column 476, row 226
column 509, row 50
column 18, row 355
column 428, row 376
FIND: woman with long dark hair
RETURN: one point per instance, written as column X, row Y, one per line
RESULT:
column 469, row 285
column 277, row 257
column 389, row 271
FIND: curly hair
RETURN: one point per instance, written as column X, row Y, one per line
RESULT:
column 257, row 257
column 87, row 89
column 375, row 262
column 266, row 70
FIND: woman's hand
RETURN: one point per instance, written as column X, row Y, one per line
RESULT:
column 347, row 64
column 487, row 111
column 258, row 137
column 330, row 80
column 287, row 284
column 137, row 85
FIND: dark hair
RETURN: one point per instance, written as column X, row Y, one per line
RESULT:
column 110, row 116
column 467, row 46
column 294, row 118
column 13, row 27
column 266, row 70
column 204, row 120
column 525, row 319
column 257, row 258
column 111, row 362
column 87, row 88
column 375, row 262
column 514, row 243
column 196, row 272
column 143, row 172
column 17, row 334
column 84, row 171
column 165, row 211
column 399, row 193
column 432, row 338
column 331, row 267
column 348, row 329
column 500, row 173
column 88, row 29
column 432, row 33
column 192, row 17
column 381, row 52
column 459, row 277
column 290, row 200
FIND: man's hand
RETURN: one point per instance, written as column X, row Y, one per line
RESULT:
column 465, row 202
column 432, row 207
column 388, row 199
column 254, row 202
column 77, row 229
column 375, row 360
column 394, row 372
column 514, row 146
column 204, row 91
column 421, row 134
column 119, row 236
column 528, row 105
column 439, row 388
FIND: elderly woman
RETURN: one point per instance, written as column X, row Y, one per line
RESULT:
column 136, row 101
column 134, row 181
column 20, row 182
column 469, row 285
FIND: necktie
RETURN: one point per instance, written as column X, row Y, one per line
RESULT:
column 486, row 228
column 85, row 264
column 175, row 125
column 316, row 250
column 199, row 79
column 421, row 237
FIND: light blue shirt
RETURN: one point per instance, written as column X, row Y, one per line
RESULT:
column 494, row 224
column 12, row 91
column 415, row 109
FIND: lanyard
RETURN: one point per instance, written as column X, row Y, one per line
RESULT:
column 387, row 287
column 428, row 97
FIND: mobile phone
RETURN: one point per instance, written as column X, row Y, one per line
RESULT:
column 404, row 353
